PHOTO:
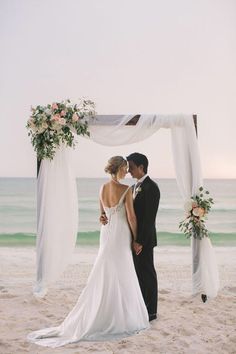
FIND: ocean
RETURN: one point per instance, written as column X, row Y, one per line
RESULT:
column 18, row 211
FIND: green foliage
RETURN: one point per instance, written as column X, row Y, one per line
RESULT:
column 54, row 124
column 197, row 208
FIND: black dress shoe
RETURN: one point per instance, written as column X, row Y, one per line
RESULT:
column 204, row 297
column 152, row 317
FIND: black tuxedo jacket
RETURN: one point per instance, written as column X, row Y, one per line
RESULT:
column 146, row 205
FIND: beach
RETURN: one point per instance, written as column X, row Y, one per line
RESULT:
column 85, row 81
column 185, row 324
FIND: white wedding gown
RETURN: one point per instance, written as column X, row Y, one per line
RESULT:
column 111, row 305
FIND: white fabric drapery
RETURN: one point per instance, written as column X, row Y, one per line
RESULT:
column 113, row 131
column 205, row 277
column 57, row 218
column 188, row 174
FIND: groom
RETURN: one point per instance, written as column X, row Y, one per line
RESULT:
column 146, row 196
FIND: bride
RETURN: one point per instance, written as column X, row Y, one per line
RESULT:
column 111, row 305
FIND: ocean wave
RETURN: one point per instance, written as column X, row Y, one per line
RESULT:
column 91, row 238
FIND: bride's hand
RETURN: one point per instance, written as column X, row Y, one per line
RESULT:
column 137, row 248
column 103, row 219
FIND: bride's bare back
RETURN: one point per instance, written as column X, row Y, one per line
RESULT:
column 112, row 192
column 110, row 196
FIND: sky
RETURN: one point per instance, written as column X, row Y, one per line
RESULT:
column 129, row 57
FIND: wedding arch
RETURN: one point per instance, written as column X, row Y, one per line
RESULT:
column 57, row 217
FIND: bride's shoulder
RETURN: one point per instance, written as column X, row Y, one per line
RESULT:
column 125, row 186
column 102, row 188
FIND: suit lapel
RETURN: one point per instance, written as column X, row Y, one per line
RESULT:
column 142, row 185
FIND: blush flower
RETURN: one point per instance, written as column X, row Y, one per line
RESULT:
column 31, row 124
column 43, row 127
column 54, row 106
column 75, row 117
column 56, row 117
column 62, row 121
column 199, row 212
column 197, row 208
column 56, row 123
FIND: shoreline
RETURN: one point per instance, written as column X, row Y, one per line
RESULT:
column 22, row 239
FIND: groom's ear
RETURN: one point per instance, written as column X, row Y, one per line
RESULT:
column 142, row 168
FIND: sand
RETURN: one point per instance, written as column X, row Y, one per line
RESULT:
column 184, row 325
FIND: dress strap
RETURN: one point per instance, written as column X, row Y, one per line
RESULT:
column 123, row 196
column 101, row 190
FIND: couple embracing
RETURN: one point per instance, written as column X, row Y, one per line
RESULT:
column 120, row 297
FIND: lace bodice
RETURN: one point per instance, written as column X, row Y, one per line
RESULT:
column 116, row 208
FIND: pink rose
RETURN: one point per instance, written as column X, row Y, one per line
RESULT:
column 201, row 212
column 56, row 117
column 54, row 106
column 63, row 113
column 196, row 212
column 75, row 117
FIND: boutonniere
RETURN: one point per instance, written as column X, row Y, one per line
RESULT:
column 139, row 190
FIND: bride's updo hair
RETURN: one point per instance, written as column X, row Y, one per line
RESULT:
column 114, row 163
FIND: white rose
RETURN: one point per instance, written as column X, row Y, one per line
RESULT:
column 196, row 212
column 188, row 206
column 42, row 128
column 56, row 126
column 62, row 121
column 48, row 112
column 31, row 124
column 44, row 116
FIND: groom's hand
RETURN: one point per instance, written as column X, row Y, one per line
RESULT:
column 137, row 248
column 103, row 219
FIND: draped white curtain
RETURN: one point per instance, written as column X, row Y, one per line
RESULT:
column 113, row 131
column 57, row 218
column 188, row 174
column 205, row 277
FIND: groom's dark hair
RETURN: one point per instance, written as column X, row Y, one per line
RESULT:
column 139, row 159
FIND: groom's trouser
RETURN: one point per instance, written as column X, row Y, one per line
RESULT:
column 147, row 277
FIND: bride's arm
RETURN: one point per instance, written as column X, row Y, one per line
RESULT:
column 129, row 206
column 102, row 218
column 102, row 211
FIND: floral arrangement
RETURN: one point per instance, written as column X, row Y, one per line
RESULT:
column 196, row 210
column 139, row 189
column 56, row 123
